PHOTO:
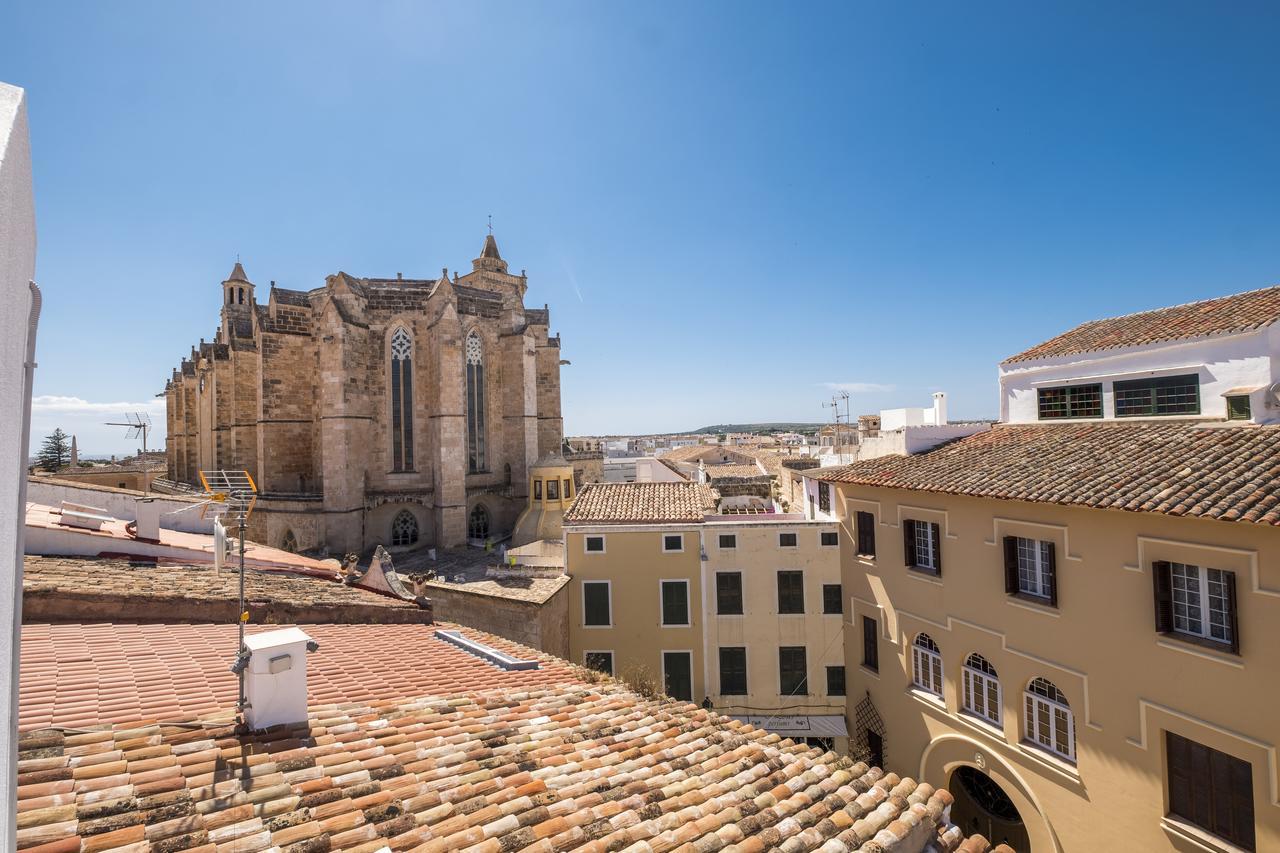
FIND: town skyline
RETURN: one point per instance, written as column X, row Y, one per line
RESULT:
column 926, row 196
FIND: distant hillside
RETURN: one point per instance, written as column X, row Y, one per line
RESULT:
column 760, row 429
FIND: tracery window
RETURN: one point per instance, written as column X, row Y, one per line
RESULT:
column 404, row 528
column 475, row 404
column 401, row 401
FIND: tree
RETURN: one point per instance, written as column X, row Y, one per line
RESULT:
column 56, row 451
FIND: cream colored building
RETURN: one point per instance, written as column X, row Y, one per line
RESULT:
column 741, row 611
column 1073, row 621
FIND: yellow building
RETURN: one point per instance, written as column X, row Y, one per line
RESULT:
column 741, row 611
column 1073, row 621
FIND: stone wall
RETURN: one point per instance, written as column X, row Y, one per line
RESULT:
column 542, row 626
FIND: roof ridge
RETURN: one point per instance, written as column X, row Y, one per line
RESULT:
column 1179, row 305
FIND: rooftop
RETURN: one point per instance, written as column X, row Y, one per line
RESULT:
column 1240, row 312
column 1229, row 473
column 79, row 589
column 620, row 503
column 539, row 767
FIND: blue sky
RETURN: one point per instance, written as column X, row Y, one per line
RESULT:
column 729, row 207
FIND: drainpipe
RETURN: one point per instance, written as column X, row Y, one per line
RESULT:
column 28, row 380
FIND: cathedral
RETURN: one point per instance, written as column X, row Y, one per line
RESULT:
column 372, row 411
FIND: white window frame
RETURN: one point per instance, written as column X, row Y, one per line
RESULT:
column 1203, row 607
column 688, row 604
column 662, row 543
column 1032, row 561
column 1056, row 712
column 662, row 659
column 588, row 537
column 926, row 664
column 976, row 688
column 923, row 531
column 613, row 660
column 609, row 586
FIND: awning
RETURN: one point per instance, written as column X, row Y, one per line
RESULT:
column 827, row 725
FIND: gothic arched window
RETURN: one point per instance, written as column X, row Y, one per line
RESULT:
column 475, row 404
column 404, row 528
column 478, row 523
column 401, row 401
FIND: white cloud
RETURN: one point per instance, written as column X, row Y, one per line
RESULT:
column 50, row 403
column 857, row 387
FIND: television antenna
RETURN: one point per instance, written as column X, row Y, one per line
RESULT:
column 236, row 492
column 139, row 424
column 834, row 405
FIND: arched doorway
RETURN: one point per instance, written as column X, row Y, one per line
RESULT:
column 983, row 807
column 478, row 524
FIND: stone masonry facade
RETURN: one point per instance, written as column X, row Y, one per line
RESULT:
column 299, row 392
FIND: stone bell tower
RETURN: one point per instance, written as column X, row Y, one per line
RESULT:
column 237, row 291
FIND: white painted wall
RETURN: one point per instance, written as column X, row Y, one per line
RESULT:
column 175, row 513
column 17, row 268
column 650, row 470
column 1223, row 363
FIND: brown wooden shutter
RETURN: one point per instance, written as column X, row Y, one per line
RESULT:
column 1010, row 564
column 936, row 530
column 1231, row 611
column 909, row 542
column 1162, row 580
column 1052, row 557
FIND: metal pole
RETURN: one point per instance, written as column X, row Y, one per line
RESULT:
column 240, row 703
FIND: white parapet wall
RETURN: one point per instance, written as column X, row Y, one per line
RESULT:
column 17, row 269
column 176, row 513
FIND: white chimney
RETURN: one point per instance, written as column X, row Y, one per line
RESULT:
column 147, row 513
column 939, row 408
column 275, row 682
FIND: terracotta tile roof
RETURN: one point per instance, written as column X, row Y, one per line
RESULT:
column 1240, row 312
column 574, row 767
column 716, row 472
column 1230, row 473
column 87, row 675
column 84, row 589
column 605, row 503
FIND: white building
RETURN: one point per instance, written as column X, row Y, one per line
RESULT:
column 1215, row 359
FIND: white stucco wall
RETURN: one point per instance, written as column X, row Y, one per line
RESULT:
column 17, row 268
column 1223, row 363
column 175, row 513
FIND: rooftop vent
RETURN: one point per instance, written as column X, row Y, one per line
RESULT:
column 500, row 659
column 275, row 678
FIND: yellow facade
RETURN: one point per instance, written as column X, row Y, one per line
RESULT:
column 634, row 564
column 1126, row 684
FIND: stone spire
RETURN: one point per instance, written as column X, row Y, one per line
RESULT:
column 237, row 274
column 489, row 258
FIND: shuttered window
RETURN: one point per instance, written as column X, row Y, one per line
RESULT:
column 675, row 603
column 832, row 603
column 1030, row 569
column 1211, row 789
column 595, row 604
column 733, row 671
column 1196, row 603
column 866, row 524
column 922, row 545
column 870, row 644
column 824, row 497
column 792, row 671
column 835, row 681
column 791, row 592
column 728, row 593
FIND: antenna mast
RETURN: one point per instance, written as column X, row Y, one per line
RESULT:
column 139, row 424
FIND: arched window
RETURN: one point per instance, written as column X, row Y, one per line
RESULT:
column 926, row 664
column 478, row 523
column 980, row 689
column 506, row 474
column 1050, row 723
column 404, row 528
column 231, row 296
column 240, row 295
column 290, row 542
column 401, row 401
column 475, row 404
